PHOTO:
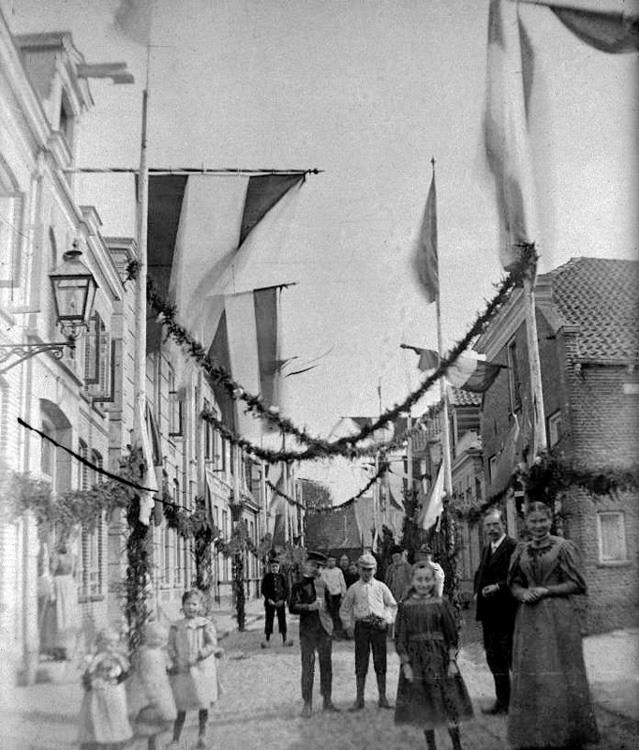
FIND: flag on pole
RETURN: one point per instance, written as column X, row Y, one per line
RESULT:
column 434, row 504
column 425, row 259
column 246, row 344
column 132, row 18
column 508, row 78
column 467, row 373
column 506, row 462
column 149, row 478
column 205, row 232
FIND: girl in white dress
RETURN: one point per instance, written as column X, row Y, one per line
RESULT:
column 104, row 724
column 192, row 646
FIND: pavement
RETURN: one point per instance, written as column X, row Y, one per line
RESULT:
column 260, row 703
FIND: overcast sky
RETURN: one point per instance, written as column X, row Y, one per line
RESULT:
column 368, row 91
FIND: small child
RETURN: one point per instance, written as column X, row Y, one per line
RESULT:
column 103, row 717
column 150, row 698
column 431, row 691
column 192, row 642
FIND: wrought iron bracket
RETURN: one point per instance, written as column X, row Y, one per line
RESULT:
column 26, row 351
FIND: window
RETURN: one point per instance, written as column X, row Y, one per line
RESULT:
column 554, row 430
column 92, row 542
column 514, row 384
column 176, row 427
column 492, row 468
column 611, row 533
column 97, row 357
column 10, row 238
column 47, row 453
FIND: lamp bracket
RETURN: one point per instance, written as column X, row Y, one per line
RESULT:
column 26, row 351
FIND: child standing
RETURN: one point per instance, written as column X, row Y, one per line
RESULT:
column 431, row 691
column 103, row 718
column 192, row 643
column 150, row 698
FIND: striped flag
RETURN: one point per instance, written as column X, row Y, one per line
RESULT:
column 206, row 235
column 434, row 503
column 425, row 261
column 467, row 373
column 246, row 344
column 508, row 78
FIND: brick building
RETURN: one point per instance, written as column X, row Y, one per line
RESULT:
column 588, row 331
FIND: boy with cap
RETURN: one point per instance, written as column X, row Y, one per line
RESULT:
column 274, row 589
column 309, row 600
column 367, row 610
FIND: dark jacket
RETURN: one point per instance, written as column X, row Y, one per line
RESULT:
column 274, row 586
column 305, row 592
column 493, row 569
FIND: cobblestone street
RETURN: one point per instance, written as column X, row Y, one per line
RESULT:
column 261, row 704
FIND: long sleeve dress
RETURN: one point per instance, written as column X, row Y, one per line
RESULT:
column 424, row 632
column 550, row 702
column 192, row 642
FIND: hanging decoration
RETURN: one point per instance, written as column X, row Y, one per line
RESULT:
column 318, row 447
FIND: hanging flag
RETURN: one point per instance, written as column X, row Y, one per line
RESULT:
column 467, row 373
column 425, row 259
column 608, row 25
column 246, row 344
column 277, row 506
column 508, row 78
column 506, row 461
column 145, row 441
column 205, row 232
column 434, row 504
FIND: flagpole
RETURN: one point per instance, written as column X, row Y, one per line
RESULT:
column 140, row 305
column 448, row 480
column 539, row 427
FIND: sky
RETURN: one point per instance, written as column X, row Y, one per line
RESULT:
column 367, row 91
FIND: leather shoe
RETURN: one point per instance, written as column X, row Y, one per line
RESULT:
column 357, row 706
column 307, row 711
column 495, row 710
column 330, row 706
column 383, row 703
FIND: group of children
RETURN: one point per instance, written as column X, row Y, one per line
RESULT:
column 172, row 673
column 176, row 674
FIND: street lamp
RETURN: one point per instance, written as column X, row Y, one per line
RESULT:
column 74, row 289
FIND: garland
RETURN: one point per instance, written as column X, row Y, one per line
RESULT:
column 316, row 446
column 381, row 470
column 551, row 475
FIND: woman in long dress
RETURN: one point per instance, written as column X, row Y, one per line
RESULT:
column 550, row 703
column 61, row 618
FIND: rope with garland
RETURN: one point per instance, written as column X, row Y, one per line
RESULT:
column 317, row 446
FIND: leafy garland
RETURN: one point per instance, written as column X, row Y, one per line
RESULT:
column 318, row 447
column 550, row 476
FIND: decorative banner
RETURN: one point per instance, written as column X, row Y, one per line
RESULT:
column 425, row 259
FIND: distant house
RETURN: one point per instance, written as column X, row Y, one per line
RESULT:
column 588, row 333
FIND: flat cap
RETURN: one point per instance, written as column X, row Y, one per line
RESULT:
column 318, row 557
column 367, row 561
column 396, row 549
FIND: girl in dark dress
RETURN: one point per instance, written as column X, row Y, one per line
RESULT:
column 431, row 692
column 550, row 704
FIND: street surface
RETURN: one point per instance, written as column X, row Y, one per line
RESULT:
column 260, row 706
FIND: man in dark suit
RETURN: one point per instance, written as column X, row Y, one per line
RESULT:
column 309, row 600
column 496, row 607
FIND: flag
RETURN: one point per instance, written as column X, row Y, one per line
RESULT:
column 149, row 479
column 132, row 18
column 246, row 345
column 425, row 259
column 206, row 232
column 467, row 373
column 277, row 507
column 434, row 504
column 606, row 31
column 508, row 79
column 505, row 462
column 607, row 25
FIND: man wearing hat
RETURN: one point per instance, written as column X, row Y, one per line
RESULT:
column 426, row 553
column 398, row 573
column 274, row 589
column 309, row 600
column 367, row 610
